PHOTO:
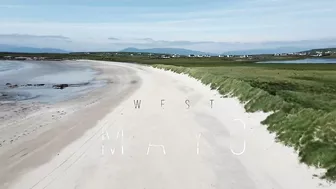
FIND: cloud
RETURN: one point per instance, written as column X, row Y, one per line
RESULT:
column 153, row 42
column 182, row 43
column 33, row 37
column 149, row 40
column 38, row 41
column 121, row 43
column 220, row 47
column 113, row 39
column 10, row 6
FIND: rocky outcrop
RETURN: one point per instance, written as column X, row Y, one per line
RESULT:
column 60, row 86
column 55, row 86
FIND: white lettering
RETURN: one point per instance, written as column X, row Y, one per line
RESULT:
column 187, row 103
column 153, row 145
column 121, row 141
column 211, row 102
column 235, row 153
column 162, row 103
column 198, row 138
column 137, row 104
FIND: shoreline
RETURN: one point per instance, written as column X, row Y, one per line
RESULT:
column 39, row 81
column 32, row 134
column 15, row 111
column 78, row 160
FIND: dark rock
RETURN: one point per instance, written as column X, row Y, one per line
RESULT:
column 60, row 86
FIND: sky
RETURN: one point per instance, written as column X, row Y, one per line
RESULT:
column 206, row 25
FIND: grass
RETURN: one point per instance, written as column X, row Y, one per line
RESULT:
column 302, row 97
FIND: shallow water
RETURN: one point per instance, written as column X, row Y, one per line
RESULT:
column 48, row 73
column 305, row 61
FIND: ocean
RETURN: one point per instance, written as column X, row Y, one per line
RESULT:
column 80, row 77
column 305, row 61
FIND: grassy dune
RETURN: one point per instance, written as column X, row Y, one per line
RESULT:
column 302, row 97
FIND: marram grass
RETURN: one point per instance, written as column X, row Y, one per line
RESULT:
column 304, row 110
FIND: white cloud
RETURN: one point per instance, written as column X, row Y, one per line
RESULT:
column 113, row 39
column 183, row 30
column 32, row 37
column 247, row 21
column 62, row 42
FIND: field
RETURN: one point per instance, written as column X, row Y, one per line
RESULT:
column 302, row 97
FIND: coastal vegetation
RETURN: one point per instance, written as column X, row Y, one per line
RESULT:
column 302, row 98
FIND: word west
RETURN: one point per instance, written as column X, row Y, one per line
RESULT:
column 120, row 139
column 137, row 103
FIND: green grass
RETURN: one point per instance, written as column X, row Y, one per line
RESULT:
column 302, row 97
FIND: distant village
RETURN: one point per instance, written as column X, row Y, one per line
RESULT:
column 313, row 54
column 13, row 57
column 305, row 54
column 317, row 53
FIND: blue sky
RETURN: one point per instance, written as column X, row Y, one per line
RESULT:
column 215, row 25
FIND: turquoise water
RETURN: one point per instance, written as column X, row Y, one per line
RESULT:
column 305, row 61
column 82, row 76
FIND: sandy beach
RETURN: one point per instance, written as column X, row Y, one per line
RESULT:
column 149, row 129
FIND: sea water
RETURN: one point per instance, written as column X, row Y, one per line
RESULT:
column 305, row 61
column 48, row 73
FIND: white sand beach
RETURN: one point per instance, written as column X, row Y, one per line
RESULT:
column 183, row 136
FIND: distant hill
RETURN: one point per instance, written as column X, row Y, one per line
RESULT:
column 166, row 51
column 21, row 49
column 265, row 51
column 322, row 50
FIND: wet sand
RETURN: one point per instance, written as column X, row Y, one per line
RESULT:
column 28, row 129
column 33, row 81
column 23, row 103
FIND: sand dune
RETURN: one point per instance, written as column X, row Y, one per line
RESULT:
column 151, row 129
